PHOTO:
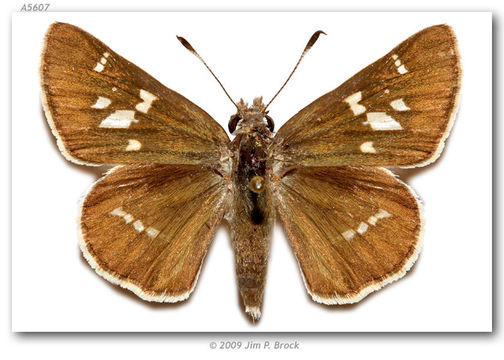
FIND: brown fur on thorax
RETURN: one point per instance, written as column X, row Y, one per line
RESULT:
column 252, row 117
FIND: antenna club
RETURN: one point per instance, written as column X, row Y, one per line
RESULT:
column 308, row 46
column 313, row 39
column 189, row 47
column 186, row 44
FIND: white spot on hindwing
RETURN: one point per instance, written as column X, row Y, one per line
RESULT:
column 382, row 214
column 153, row 233
column 372, row 220
column 363, row 226
column 367, row 147
column 128, row 218
column 137, row 224
column 349, row 234
column 120, row 212
column 353, row 101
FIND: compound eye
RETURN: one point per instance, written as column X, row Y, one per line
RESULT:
column 271, row 124
column 233, row 122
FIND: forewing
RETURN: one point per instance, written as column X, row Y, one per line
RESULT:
column 148, row 227
column 397, row 111
column 353, row 229
column 104, row 109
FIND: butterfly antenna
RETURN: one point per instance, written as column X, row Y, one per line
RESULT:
column 195, row 53
column 308, row 46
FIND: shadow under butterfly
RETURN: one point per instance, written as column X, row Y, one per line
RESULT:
column 147, row 224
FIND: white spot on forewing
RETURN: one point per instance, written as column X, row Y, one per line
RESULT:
column 398, row 63
column 372, row 220
column 382, row 121
column 349, row 234
column 353, row 100
column 367, row 147
column 399, row 105
column 99, row 67
column 101, row 64
column 362, row 228
column 153, row 233
column 402, row 69
column 101, row 103
column 120, row 119
column 147, row 98
column 133, row 145
column 138, row 226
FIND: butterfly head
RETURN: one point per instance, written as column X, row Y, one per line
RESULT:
column 253, row 117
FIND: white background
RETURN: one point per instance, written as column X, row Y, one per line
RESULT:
column 449, row 289
column 355, row 346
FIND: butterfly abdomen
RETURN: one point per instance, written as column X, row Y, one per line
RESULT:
column 251, row 216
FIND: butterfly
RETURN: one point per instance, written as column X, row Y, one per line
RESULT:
column 146, row 225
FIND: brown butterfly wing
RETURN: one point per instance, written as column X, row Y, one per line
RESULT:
column 353, row 229
column 395, row 112
column 148, row 227
column 104, row 109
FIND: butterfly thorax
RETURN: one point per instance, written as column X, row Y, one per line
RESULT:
column 249, row 170
column 249, row 149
